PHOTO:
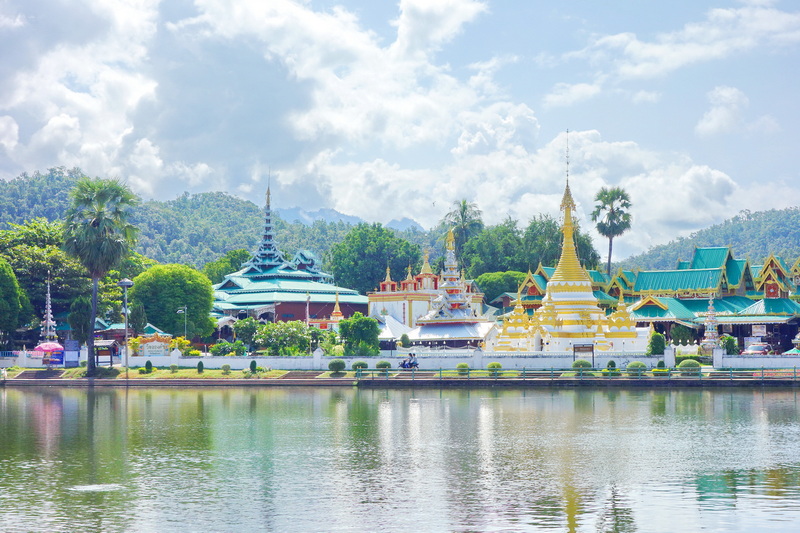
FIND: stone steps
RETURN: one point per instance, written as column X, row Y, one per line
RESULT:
column 301, row 374
column 39, row 374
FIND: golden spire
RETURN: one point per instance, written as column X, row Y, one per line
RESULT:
column 426, row 266
column 388, row 275
column 451, row 240
column 408, row 277
column 337, row 312
column 569, row 266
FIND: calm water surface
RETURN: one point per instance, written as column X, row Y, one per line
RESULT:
column 290, row 459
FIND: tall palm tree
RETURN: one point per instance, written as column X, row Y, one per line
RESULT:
column 98, row 234
column 610, row 214
column 465, row 219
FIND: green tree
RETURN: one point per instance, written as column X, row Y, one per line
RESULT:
column 284, row 338
column 465, row 219
column 245, row 330
column 493, row 284
column 611, row 215
column 80, row 313
column 11, row 302
column 227, row 264
column 164, row 289
column 137, row 319
column 360, row 332
column 495, row 248
column 360, row 260
column 542, row 241
column 98, row 234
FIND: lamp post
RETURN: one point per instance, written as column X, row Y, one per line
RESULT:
column 182, row 311
column 126, row 284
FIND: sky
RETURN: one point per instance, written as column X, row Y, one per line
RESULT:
column 385, row 110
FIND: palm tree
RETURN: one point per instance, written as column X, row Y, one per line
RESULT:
column 98, row 234
column 465, row 219
column 611, row 215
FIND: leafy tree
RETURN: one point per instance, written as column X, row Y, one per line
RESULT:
column 227, row 264
column 11, row 301
column 164, row 289
column 246, row 329
column 611, row 215
column 360, row 260
column 542, row 242
column 98, row 234
column 284, row 338
column 359, row 332
column 656, row 344
column 680, row 334
column 493, row 284
column 79, row 317
column 137, row 318
column 465, row 219
column 495, row 248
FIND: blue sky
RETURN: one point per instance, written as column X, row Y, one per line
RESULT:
column 386, row 110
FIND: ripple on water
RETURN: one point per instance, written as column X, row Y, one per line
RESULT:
column 103, row 487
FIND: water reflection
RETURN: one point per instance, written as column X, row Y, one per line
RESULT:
column 336, row 459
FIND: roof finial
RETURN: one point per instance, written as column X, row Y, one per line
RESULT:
column 269, row 182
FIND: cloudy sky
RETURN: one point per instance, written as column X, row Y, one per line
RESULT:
column 385, row 109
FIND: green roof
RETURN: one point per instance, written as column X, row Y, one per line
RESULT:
column 604, row 297
column 711, row 257
column 735, row 269
column 773, row 306
column 677, row 280
column 683, row 265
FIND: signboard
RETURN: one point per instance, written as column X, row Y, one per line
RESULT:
column 759, row 330
column 153, row 349
column 57, row 357
column 583, row 348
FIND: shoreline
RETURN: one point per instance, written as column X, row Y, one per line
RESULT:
column 405, row 383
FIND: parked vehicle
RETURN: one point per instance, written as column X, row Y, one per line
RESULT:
column 759, row 348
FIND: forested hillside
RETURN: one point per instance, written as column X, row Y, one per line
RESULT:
column 751, row 236
column 192, row 229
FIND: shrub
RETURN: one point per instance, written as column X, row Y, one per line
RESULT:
column 143, row 370
column 253, row 365
column 611, row 364
column 660, row 364
column 405, row 342
column 173, row 369
column 581, row 363
column 729, row 344
column 636, row 368
column 193, row 353
column 199, row 367
column 611, row 369
column 494, row 368
column 689, row 367
column 84, row 363
column 226, row 369
column 656, row 344
column 383, row 364
column 360, row 364
column 148, row 366
column 337, row 365
column 362, row 349
column 260, row 369
column 246, row 374
column 463, row 369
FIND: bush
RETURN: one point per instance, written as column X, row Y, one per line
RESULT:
column 359, row 364
column 463, row 369
column 636, row 368
column 660, row 364
column 383, row 364
column 362, row 349
column 729, row 344
column 611, row 364
column 260, row 369
column 494, row 368
column 581, row 363
column 193, row 353
column 337, row 365
column 253, row 365
column 173, row 369
column 405, row 342
column 143, row 370
column 689, row 367
column 148, row 366
column 656, row 344
column 226, row 369
column 199, row 367
column 611, row 369
column 84, row 363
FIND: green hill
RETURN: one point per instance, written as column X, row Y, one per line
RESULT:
column 752, row 236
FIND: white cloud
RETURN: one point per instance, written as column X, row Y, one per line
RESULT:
column 566, row 94
column 725, row 115
column 9, row 132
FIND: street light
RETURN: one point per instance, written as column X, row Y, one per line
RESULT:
column 126, row 284
column 182, row 311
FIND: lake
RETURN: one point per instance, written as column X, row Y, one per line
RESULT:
column 339, row 459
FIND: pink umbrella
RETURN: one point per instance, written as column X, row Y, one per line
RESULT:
column 48, row 347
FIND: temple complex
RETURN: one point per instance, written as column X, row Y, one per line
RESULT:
column 569, row 315
column 271, row 288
